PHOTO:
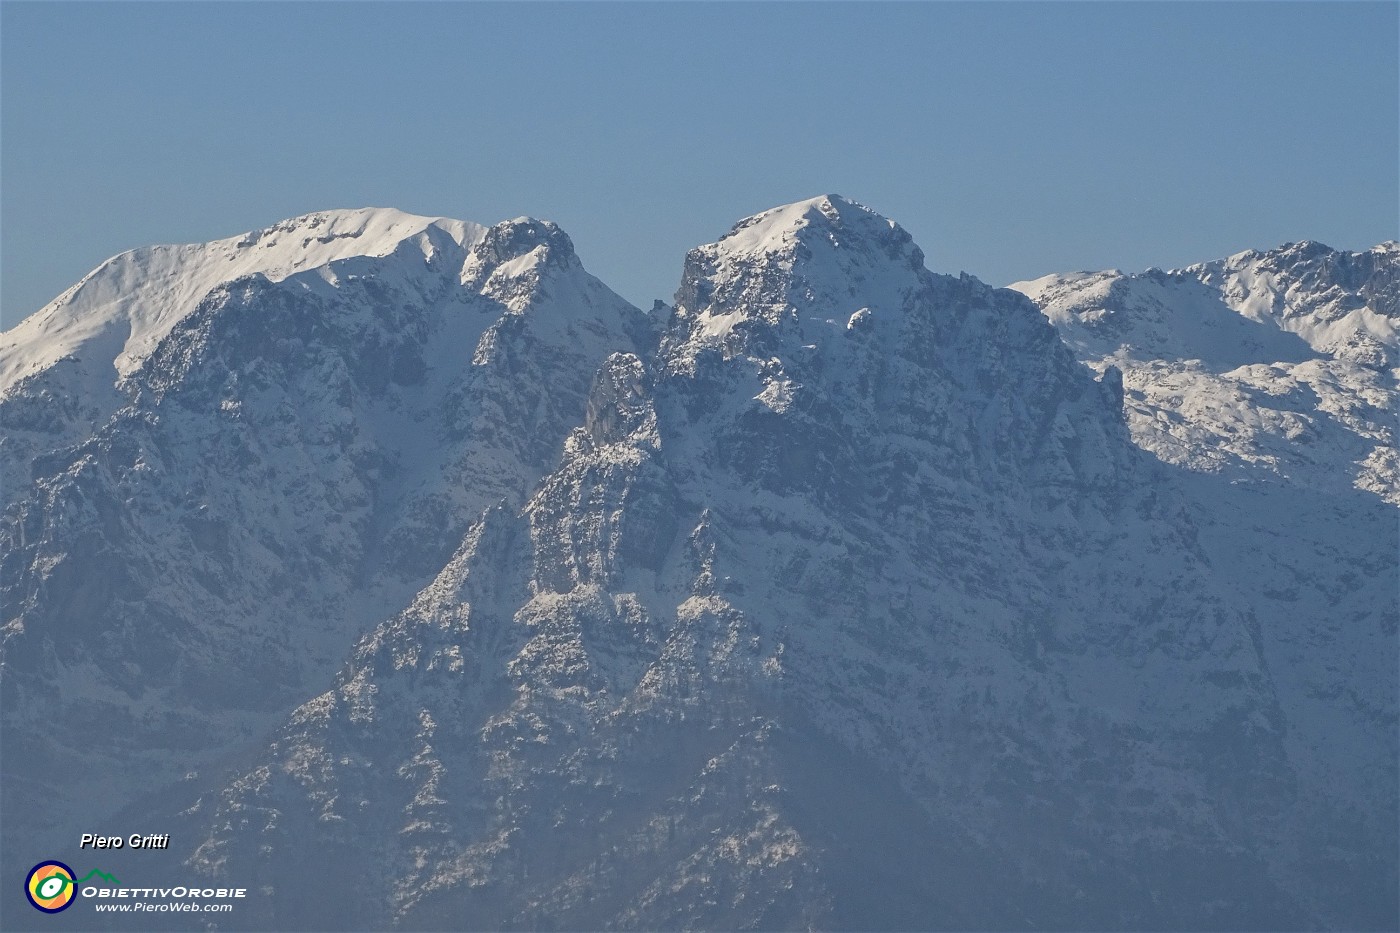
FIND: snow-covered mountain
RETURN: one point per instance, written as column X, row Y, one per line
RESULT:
column 840, row 594
column 62, row 369
column 1267, row 367
column 274, row 463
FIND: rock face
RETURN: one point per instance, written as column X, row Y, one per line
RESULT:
column 838, row 595
column 283, row 467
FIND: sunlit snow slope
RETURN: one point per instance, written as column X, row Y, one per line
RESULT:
column 1275, row 366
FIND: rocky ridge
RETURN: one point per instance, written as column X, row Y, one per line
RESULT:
column 837, row 595
column 1275, row 366
column 289, row 463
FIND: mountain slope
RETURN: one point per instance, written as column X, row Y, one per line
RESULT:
column 1266, row 367
column 854, row 606
column 288, row 463
column 140, row 295
column 843, row 597
column 62, row 369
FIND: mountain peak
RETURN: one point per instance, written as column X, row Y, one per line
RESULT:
column 777, row 229
column 514, row 247
column 119, row 312
column 376, row 231
column 513, row 239
column 821, row 259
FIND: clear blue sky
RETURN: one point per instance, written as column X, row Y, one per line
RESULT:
column 1011, row 140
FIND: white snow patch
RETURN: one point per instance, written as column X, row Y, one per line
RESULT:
column 122, row 309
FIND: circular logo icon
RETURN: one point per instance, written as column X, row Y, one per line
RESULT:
column 50, row 887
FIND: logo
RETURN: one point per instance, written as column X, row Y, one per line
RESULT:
column 50, row 887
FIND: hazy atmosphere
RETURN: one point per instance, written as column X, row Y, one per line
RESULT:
column 1012, row 140
column 993, row 526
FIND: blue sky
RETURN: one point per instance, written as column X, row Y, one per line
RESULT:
column 1011, row 140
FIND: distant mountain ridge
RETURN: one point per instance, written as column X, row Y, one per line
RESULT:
column 1268, row 366
column 429, row 584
